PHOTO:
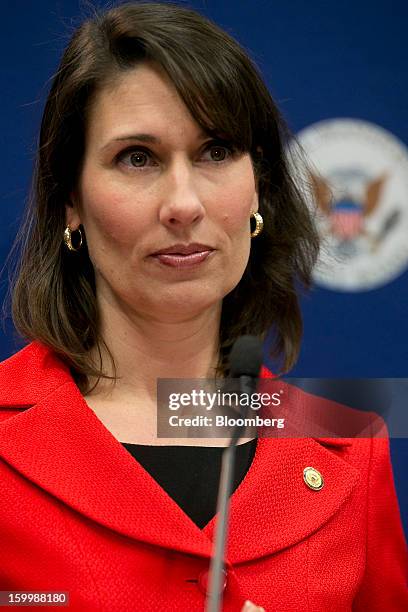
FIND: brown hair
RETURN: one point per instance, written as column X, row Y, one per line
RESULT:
column 53, row 297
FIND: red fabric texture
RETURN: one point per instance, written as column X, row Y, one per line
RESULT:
column 79, row 514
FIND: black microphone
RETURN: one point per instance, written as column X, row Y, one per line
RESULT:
column 245, row 364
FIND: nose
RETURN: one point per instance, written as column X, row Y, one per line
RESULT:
column 181, row 205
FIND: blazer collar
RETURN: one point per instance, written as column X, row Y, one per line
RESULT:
column 53, row 438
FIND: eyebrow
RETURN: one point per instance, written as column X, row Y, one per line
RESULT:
column 140, row 137
column 149, row 138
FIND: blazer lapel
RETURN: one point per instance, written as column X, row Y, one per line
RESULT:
column 273, row 508
column 61, row 446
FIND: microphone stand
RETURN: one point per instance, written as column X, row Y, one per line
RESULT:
column 213, row 603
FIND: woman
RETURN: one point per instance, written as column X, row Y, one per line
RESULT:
column 164, row 225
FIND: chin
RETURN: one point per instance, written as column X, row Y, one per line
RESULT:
column 184, row 303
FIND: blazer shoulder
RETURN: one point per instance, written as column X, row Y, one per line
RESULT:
column 29, row 375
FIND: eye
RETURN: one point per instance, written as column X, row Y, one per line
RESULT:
column 134, row 158
column 218, row 152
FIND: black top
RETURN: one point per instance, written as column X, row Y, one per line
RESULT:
column 190, row 474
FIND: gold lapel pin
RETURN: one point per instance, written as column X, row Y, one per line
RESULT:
column 313, row 478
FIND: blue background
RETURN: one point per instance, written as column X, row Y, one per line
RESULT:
column 320, row 60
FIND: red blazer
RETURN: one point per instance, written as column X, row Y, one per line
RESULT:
column 78, row 514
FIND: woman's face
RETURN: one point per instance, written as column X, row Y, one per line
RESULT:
column 166, row 209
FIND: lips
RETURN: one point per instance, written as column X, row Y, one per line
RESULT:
column 183, row 255
column 184, row 249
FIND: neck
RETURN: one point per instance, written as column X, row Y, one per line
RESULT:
column 145, row 349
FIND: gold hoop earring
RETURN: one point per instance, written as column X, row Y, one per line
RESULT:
column 259, row 224
column 68, row 239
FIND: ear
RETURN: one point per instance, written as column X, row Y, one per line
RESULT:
column 72, row 216
column 255, row 202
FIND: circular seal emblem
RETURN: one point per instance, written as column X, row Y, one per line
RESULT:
column 358, row 178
